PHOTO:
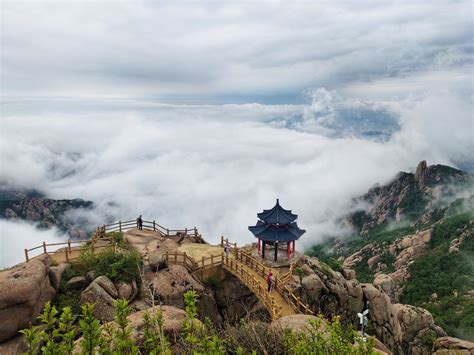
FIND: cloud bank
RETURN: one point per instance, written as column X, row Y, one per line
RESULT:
column 15, row 236
column 202, row 114
column 203, row 170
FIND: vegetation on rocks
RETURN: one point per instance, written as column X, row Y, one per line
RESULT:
column 57, row 334
column 117, row 265
column 418, row 230
column 441, row 278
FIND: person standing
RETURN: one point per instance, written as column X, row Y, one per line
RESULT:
column 270, row 281
column 140, row 222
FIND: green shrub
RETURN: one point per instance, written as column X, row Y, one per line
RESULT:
column 56, row 335
column 334, row 264
column 117, row 238
column 447, row 230
column 388, row 259
column 324, row 337
column 116, row 265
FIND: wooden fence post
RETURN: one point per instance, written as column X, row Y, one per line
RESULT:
column 166, row 257
column 222, row 241
column 212, row 259
column 120, row 226
column 167, row 232
column 44, row 247
column 67, row 255
column 26, row 255
column 185, row 231
column 154, row 226
column 176, row 257
column 202, row 260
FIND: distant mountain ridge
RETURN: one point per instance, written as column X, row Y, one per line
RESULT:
column 414, row 239
column 32, row 205
column 411, row 197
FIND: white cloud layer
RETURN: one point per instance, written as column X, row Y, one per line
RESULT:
column 107, row 101
column 15, row 236
column 189, row 167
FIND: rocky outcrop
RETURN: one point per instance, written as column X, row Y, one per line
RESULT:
column 421, row 173
column 402, row 328
column 407, row 195
column 298, row 323
column 452, row 346
column 171, row 283
column 328, row 291
column 77, row 283
column 101, row 292
column 403, row 251
column 56, row 273
column 127, row 290
column 24, row 290
column 14, row 346
column 47, row 213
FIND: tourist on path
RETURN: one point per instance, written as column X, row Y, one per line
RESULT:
column 270, row 282
column 140, row 222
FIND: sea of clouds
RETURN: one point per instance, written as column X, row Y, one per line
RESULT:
column 150, row 107
column 215, row 167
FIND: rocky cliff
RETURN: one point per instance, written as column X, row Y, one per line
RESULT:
column 410, row 197
column 415, row 241
column 46, row 212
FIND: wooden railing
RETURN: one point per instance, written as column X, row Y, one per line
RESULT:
column 122, row 226
column 226, row 242
column 179, row 258
column 70, row 252
column 279, row 283
column 101, row 233
column 236, row 267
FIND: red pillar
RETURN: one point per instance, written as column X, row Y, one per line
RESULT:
column 259, row 247
column 294, row 242
column 288, row 250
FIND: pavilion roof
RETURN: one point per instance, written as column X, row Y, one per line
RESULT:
column 277, row 215
column 273, row 233
column 277, row 224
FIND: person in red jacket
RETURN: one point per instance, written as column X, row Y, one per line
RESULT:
column 270, row 281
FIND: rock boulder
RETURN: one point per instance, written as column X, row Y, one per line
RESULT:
column 452, row 346
column 24, row 290
column 101, row 292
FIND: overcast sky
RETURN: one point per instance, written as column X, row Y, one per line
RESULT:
column 229, row 51
column 203, row 113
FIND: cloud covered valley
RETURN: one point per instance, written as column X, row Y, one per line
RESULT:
column 215, row 167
